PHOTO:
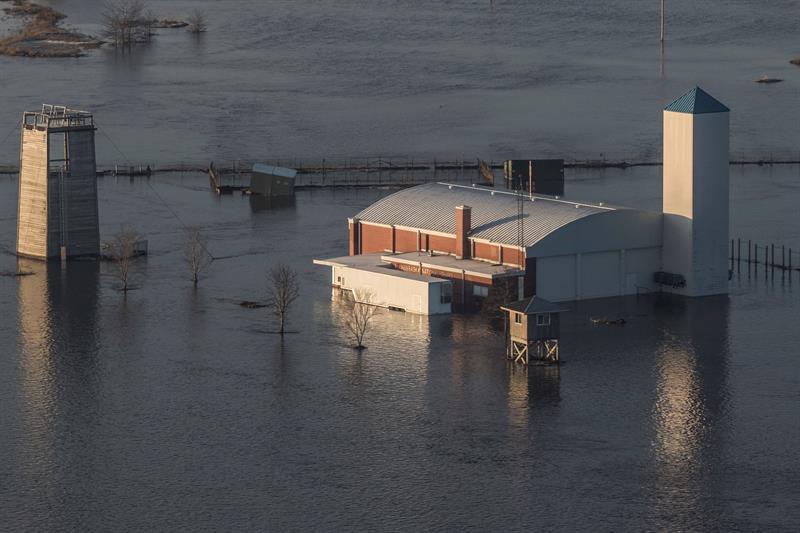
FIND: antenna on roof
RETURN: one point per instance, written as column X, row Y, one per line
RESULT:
column 520, row 214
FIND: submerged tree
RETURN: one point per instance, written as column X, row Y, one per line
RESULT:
column 283, row 291
column 123, row 20
column 360, row 310
column 122, row 250
column 195, row 252
column 197, row 21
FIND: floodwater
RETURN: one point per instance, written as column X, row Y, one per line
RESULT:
column 175, row 409
column 492, row 79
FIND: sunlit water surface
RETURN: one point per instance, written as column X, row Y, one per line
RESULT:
column 174, row 408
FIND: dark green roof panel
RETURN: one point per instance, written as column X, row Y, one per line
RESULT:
column 697, row 102
column 534, row 305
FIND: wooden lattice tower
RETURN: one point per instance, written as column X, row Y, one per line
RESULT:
column 533, row 330
column 57, row 212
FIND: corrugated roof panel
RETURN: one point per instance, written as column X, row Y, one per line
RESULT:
column 534, row 305
column 697, row 102
column 274, row 171
column 494, row 213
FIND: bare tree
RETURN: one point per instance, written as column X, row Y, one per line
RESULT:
column 148, row 20
column 502, row 293
column 122, row 249
column 195, row 252
column 123, row 20
column 360, row 310
column 283, row 291
column 197, row 21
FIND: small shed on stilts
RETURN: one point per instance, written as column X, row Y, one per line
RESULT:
column 532, row 330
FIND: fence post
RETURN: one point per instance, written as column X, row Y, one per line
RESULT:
column 783, row 256
column 738, row 253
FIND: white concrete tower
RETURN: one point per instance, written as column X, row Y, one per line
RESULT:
column 696, row 193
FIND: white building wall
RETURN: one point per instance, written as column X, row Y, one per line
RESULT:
column 556, row 278
column 599, row 276
column 696, row 200
column 640, row 264
column 418, row 296
column 610, row 254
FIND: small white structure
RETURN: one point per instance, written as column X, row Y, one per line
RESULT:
column 395, row 289
column 696, row 197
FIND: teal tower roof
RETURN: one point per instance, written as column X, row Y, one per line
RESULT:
column 697, row 102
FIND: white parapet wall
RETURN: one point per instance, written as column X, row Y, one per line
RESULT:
column 390, row 288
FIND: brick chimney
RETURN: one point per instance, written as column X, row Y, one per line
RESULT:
column 463, row 227
column 355, row 245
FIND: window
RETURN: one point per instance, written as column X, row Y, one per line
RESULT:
column 339, row 279
column 543, row 320
column 447, row 293
column 480, row 290
column 518, row 318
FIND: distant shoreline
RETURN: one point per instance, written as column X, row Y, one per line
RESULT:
column 41, row 33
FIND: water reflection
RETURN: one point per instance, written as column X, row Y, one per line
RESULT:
column 267, row 203
column 690, row 405
column 57, row 320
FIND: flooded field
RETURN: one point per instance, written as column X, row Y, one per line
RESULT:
column 177, row 409
column 497, row 80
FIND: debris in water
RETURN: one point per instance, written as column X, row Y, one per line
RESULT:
column 607, row 322
column 251, row 305
column 767, row 79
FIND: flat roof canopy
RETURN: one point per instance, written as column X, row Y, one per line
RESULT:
column 452, row 264
column 373, row 263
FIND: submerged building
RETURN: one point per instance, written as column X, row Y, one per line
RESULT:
column 490, row 243
column 57, row 212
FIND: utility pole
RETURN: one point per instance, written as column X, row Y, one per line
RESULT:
column 662, row 21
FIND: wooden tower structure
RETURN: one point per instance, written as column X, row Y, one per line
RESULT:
column 57, row 212
column 532, row 330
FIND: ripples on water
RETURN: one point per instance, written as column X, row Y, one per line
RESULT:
column 302, row 78
column 175, row 409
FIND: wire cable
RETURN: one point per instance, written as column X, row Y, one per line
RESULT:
column 160, row 198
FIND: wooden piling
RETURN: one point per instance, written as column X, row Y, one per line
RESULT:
column 738, row 253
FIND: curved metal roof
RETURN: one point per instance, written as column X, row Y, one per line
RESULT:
column 494, row 212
